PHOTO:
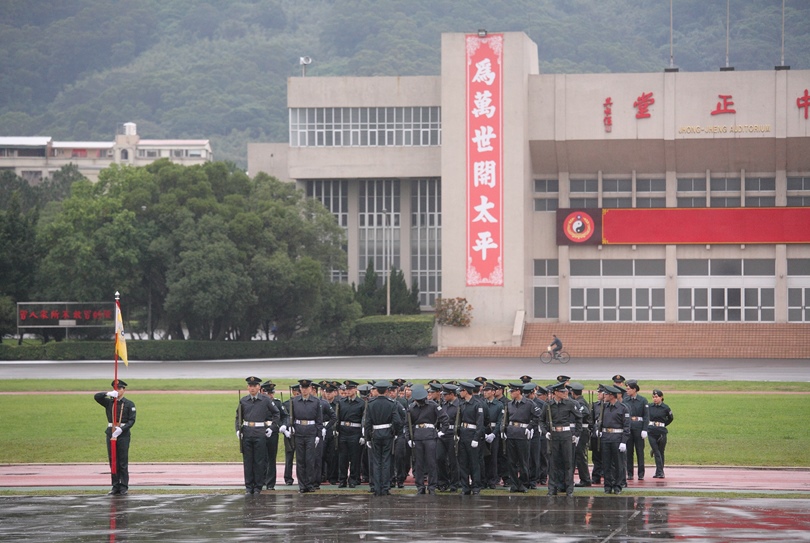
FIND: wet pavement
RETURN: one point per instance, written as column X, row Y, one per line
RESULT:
column 287, row 517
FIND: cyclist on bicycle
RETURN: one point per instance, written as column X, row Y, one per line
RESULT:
column 556, row 346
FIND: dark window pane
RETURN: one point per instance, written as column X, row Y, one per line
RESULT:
column 585, row 267
column 684, row 297
column 592, row 297
column 726, row 266
column 688, row 266
column 642, row 297
column 642, row 314
column 577, row 297
column 540, row 268
column 718, row 297
column 553, row 268
column 617, row 267
column 650, row 267
column 734, row 297
column 766, row 297
column 625, row 297
column 701, row 297
column 751, row 297
column 609, row 297
column 759, row 266
column 798, row 266
column 553, row 302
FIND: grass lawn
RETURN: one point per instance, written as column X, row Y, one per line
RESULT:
column 710, row 429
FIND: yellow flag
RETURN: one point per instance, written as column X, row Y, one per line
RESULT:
column 120, row 340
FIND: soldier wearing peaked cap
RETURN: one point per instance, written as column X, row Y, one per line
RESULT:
column 520, row 416
column 639, row 421
column 401, row 451
column 525, row 379
column 328, row 446
column 383, row 422
column 660, row 417
column 350, row 417
column 306, row 412
column 493, row 409
column 613, row 429
column 581, row 447
column 425, row 419
column 470, row 439
column 269, row 389
column 120, row 420
column 256, row 416
column 556, row 422
column 536, row 441
column 289, row 447
column 445, row 450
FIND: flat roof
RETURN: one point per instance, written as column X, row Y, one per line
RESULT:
column 172, row 142
column 83, row 144
column 36, row 141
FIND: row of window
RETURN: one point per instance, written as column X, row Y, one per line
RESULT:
column 764, row 267
column 365, row 126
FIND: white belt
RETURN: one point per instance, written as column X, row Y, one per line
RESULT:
column 519, row 424
column 258, row 424
column 425, row 425
column 109, row 425
column 351, row 424
column 662, row 424
column 468, row 426
column 380, row 426
column 451, row 427
column 304, row 422
column 636, row 419
column 561, row 429
column 614, row 430
column 584, row 425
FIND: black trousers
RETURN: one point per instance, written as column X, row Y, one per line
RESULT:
column 517, row 456
column 330, row 460
column 254, row 462
column 305, row 462
column 635, row 444
column 561, row 463
column 469, row 466
column 658, row 443
column 612, row 467
column 425, row 464
column 596, row 456
column 535, row 458
column 581, row 457
column 120, row 479
column 380, row 466
column 349, row 459
column 448, row 463
column 490, row 475
column 272, row 453
column 402, row 460
column 289, row 456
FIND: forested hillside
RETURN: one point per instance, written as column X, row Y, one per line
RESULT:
column 75, row 69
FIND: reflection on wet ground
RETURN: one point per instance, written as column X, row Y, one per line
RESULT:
column 291, row 517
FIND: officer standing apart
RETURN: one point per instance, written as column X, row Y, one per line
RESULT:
column 519, row 417
column 639, row 421
column 660, row 417
column 561, row 413
column 470, row 437
column 350, row 431
column 383, row 422
column 269, row 389
column 613, row 431
column 306, row 416
column 255, row 419
column 425, row 420
column 119, row 424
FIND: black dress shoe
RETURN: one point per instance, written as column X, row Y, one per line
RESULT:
column 420, row 491
column 432, row 492
column 552, row 493
column 582, row 484
column 351, row 485
column 617, row 490
column 113, row 492
column 608, row 491
column 123, row 492
column 400, row 485
column 342, row 485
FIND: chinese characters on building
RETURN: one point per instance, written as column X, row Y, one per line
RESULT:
column 484, row 101
column 60, row 314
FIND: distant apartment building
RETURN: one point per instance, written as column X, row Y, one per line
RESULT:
column 37, row 158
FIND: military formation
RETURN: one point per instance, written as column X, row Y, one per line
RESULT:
column 453, row 437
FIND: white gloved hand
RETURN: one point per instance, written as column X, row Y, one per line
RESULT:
column 410, row 443
column 117, row 432
column 362, row 441
column 283, row 429
column 503, row 436
column 474, row 444
column 490, row 438
column 317, row 440
column 113, row 394
column 368, row 444
column 622, row 447
column 238, row 434
column 598, row 433
column 575, row 439
column 441, row 434
column 531, row 433
column 292, row 430
column 548, row 435
column 323, row 432
column 644, row 434
column 528, row 433
column 287, row 434
column 269, row 432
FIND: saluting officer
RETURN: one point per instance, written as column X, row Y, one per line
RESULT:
column 350, row 432
column 383, row 422
column 660, row 417
column 426, row 419
column 119, row 424
column 255, row 418
column 556, row 423
column 613, row 431
column 269, row 389
column 639, row 421
column 520, row 416
column 470, row 437
column 306, row 413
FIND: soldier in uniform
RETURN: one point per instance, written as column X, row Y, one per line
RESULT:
column 256, row 416
column 613, row 431
column 350, row 431
column 581, row 446
column 119, row 423
column 425, row 420
column 470, row 437
column 503, row 464
column 660, row 417
column 541, row 398
column 383, row 423
column 306, row 414
column 446, row 449
column 329, row 463
column 556, row 423
column 622, row 392
column 289, row 447
column 494, row 411
column 402, row 453
column 639, row 421
column 364, row 391
column 529, row 393
column 520, row 416
column 596, row 455
column 269, row 389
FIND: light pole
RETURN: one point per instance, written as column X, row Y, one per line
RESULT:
column 388, row 259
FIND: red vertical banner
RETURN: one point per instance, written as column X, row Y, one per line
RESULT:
column 484, row 145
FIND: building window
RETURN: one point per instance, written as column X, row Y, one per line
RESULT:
column 692, row 184
column 651, row 185
column 378, row 226
column 760, row 184
column 726, row 304
column 334, row 195
column 365, row 127
column 798, row 289
column 725, row 201
column 652, row 202
column 426, row 239
column 546, row 302
column 798, row 191
column 546, row 194
column 725, row 184
column 34, row 177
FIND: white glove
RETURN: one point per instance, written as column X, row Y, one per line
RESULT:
column 622, row 447
column 283, row 429
column 531, row 433
column 548, row 435
column 117, row 432
column 503, row 436
column 441, row 434
column 268, row 432
column 368, row 444
column 287, row 434
column 317, row 440
column 323, row 432
column 598, row 433
column 292, row 430
column 474, row 444
column 490, row 438
column 575, row 439
column 238, row 434
column 113, row 394
column 362, row 441
column 644, row 434
column 410, row 443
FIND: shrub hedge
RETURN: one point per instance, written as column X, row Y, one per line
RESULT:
column 378, row 335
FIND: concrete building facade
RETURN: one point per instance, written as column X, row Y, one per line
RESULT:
column 394, row 159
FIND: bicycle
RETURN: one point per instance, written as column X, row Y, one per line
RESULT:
column 562, row 356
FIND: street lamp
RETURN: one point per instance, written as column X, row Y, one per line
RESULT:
column 388, row 259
